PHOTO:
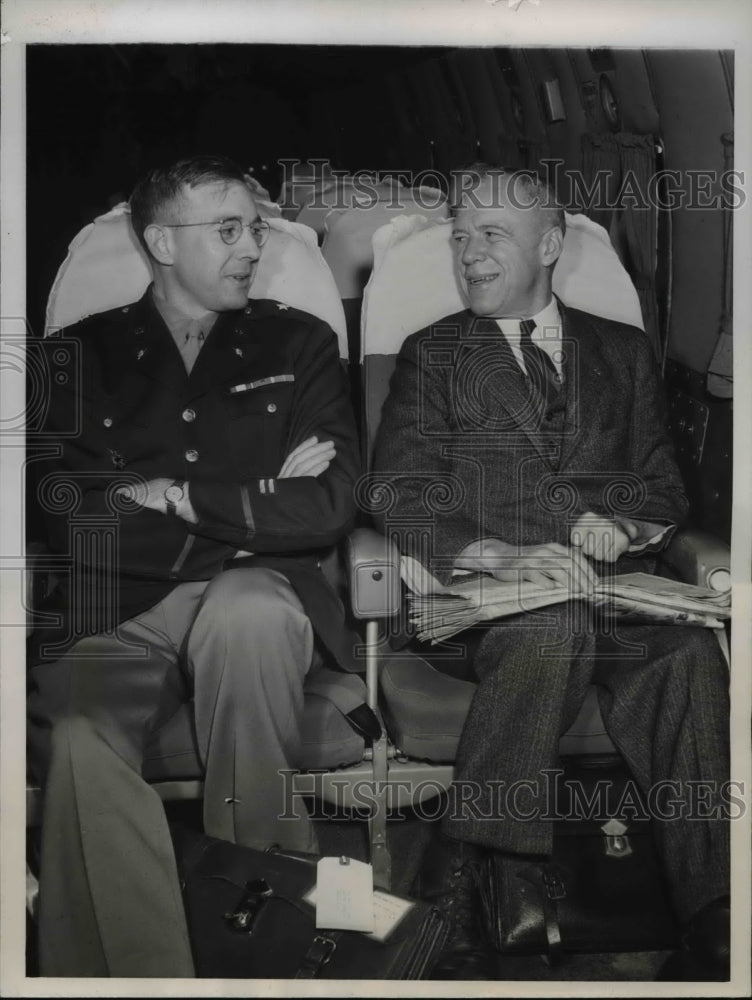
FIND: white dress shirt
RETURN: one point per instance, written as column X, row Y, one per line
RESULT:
column 546, row 335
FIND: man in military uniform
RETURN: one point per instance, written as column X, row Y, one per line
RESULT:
column 216, row 434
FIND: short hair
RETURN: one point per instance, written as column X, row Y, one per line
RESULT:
column 164, row 185
column 537, row 190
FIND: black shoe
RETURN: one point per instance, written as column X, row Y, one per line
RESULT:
column 449, row 877
column 705, row 950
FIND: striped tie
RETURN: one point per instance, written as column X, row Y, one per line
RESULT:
column 540, row 368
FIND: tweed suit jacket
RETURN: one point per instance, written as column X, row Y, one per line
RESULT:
column 267, row 378
column 468, row 455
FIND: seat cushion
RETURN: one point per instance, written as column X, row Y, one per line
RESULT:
column 328, row 741
column 425, row 711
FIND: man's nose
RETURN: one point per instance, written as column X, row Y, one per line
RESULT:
column 247, row 247
column 473, row 250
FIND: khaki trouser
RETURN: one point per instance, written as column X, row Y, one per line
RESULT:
column 110, row 901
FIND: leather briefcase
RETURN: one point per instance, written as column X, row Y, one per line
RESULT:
column 248, row 918
column 601, row 890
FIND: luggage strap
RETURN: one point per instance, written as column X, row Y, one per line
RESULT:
column 549, row 882
column 319, row 954
column 553, row 890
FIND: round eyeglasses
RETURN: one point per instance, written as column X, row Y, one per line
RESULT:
column 230, row 230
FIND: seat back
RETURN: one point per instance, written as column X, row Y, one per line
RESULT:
column 301, row 185
column 413, row 284
column 348, row 239
column 327, row 194
column 106, row 267
column 348, row 247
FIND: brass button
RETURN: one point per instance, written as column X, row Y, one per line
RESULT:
column 189, row 415
column 191, row 455
column 107, row 421
column 271, row 408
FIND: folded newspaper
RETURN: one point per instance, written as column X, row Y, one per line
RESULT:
column 440, row 611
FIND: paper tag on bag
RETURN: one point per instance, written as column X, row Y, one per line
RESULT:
column 344, row 894
column 388, row 912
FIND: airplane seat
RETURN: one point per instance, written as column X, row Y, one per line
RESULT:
column 106, row 268
column 301, row 185
column 347, row 245
column 347, row 248
column 321, row 198
column 412, row 285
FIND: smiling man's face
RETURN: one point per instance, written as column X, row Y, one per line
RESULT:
column 502, row 251
column 207, row 275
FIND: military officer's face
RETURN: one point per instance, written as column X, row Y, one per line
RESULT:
column 207, row 274
column 501, row 251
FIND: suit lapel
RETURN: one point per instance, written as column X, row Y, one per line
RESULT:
column 585, row 380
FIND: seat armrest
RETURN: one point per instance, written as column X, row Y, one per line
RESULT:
column 701, row 558
column 373, row 571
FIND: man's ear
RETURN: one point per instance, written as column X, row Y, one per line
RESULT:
column 159, row 243
column 551, row 245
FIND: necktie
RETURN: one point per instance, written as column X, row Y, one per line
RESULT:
column 540, row 368
column 194, row 339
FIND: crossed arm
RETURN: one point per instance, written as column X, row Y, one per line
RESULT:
column 310, row 458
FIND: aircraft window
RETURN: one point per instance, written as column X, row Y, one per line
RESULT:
column 609, row 102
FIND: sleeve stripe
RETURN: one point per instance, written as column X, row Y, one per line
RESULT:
column 247, row 510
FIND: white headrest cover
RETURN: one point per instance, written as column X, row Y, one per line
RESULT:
column 413, row 282
column 106, row 268
column 348, row 243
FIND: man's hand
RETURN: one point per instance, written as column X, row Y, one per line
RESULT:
column 150, row 493
column 551, row 565
column 600, row 537
column 310, row 458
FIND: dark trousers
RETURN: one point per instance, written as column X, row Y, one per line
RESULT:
column 663, row 692
column 110, row 901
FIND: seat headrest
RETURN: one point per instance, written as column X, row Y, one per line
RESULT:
column 106, row 267
column 342, row 193
column 348, row 241
column 413, row 282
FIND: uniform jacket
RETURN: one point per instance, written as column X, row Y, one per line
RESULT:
column 469, row 456
column 267, row 378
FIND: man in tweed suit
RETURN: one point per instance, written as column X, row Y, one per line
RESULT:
column 546, row 424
